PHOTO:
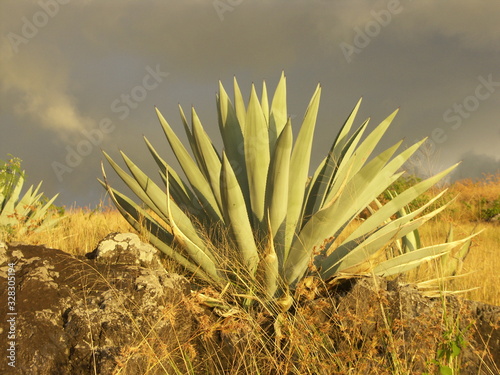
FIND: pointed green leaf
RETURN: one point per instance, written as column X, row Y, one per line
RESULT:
column 194, row 175
column 279, row 112
column 403, row 199
column 264, row 103
column 210, row 161
column 159, row 237
column 236, row 217
column 239, row 106
column 299, row 168
column 323, row 182
column 191, row 140
column 256, row 155
column 352, row 253
column 408, row 261
column 232, row 136
column 277, row 187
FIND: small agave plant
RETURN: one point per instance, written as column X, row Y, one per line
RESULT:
column 249, row 216
column 21, row 214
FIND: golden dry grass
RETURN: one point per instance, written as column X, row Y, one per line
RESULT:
column 81, row 229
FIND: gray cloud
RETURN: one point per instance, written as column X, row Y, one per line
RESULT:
column 476, row 166
column 61, row 82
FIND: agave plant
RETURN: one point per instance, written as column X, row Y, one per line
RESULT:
column 19, row 215
column 256, row 198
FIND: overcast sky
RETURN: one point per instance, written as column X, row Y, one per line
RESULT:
column 77, row 72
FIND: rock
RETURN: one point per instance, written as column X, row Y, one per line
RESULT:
column 74, row 316
column 126, row 248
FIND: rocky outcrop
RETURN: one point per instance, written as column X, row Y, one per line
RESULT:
column 118, row 310
column 77, row 316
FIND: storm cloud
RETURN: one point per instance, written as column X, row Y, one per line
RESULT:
column 81, row 76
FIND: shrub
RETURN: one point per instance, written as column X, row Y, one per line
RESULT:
column 21, row 214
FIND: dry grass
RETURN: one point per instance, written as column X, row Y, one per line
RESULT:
column 306, row 346
column 474, row 198
column 80, row 230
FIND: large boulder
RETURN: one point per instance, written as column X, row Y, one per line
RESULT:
column 77, row 316
column 117, row 310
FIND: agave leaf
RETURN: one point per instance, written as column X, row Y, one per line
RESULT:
column 409, row 242
column 271, row 265
column 278, row 179
column 239, row 106
column 337, row 212
column 25, row 205
column 357, row 194
column 371, row 176
column 194, row 246
column 299, row 169
column 191, row 140
column 277, row 191
column 157, row 235
column 452, row 262
column 41, row 212
column 256, row 156
column 181, row 193
column 278, row 116
column 352, row 253
column 264, row 103
column 325, row 177
column 399, row 201
column 210, row 163
column 12, row 197
column 236, row 217
column 169, row 211
column 408, row 261
column 366, row 147
column 362, row 153
column 311, row 197
column 134, row 186
column 342, row 138
column 343, row 168
column 359, row 191
column 232, row 137
column 194, row 175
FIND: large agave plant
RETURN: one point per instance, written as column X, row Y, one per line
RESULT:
column 250, row 216
column 21, row 214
